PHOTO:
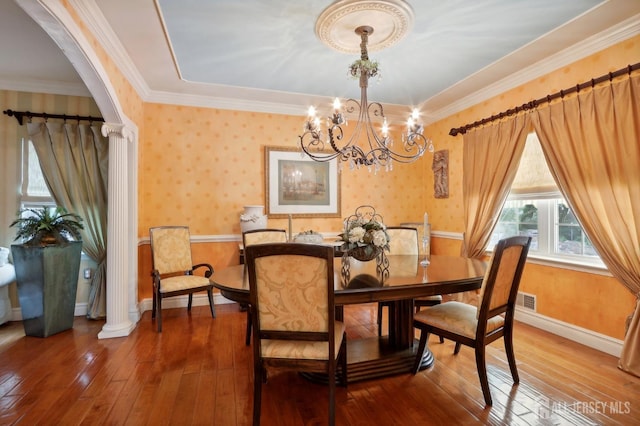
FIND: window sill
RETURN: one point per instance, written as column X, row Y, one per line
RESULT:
column 590, row 268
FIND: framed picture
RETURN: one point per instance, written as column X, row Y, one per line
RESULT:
column 299, row 186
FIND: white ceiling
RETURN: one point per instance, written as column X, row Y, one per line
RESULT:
column 263, row 55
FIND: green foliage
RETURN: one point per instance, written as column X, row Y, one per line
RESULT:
column 47, row 226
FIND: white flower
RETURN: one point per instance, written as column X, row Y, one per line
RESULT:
column 356, row 234
column 379, row 238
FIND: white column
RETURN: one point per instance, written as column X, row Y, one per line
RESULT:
column 118, row 252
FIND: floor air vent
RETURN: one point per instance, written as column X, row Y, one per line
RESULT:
column 527, row 301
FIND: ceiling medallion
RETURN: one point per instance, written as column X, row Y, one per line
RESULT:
column 392, row 20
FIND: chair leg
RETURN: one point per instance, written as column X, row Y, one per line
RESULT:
column 482, row 374
column 424, row 336
column 159, row 313
column 153, row 308
column 457, row 348
column 190, row 300
column 332, row 391
column 508, row 347
column 345, row 371
column 441, row 339
column 258, row 378
column 342, row 357
column 212, row 308
column 249, row 323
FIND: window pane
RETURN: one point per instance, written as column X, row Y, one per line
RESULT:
column 565, row 215
column 518, row 217
column 36, row 186
column 571, row 238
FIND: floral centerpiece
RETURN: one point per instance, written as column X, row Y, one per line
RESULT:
column 365, row 235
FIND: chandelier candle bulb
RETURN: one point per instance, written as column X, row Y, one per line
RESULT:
column 426, row 222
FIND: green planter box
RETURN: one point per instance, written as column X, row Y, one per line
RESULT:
column 47, row 280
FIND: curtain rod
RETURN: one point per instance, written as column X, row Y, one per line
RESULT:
column 19, row 115
column 534, row 104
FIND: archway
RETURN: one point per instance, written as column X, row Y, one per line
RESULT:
column 122, row 307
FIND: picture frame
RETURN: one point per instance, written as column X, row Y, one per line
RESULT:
column 299, row 186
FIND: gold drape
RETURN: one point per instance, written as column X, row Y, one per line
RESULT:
column 74, row 161
column 592, row 144
column 490, row 162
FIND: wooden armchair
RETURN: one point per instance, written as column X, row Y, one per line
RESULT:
column 477, row 326
column 173, row 269
column 291, row 289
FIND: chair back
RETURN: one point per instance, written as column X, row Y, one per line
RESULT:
column 502, row 279
column 403, row 240
column 262, row 236
column 291, row 292
column 171, row 249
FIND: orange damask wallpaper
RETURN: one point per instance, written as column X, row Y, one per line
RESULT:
column 200, row 166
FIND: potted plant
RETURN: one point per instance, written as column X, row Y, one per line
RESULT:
column 47, row 265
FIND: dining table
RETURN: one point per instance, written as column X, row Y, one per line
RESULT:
column 403, row 279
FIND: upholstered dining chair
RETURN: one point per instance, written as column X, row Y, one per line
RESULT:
column 426, row 301
column 477, row 326
column 173, row 269
column 404, row 240
column 291, row 291
column 260, row 236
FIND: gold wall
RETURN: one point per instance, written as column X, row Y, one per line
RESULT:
column 592, row 301
column 200, row 166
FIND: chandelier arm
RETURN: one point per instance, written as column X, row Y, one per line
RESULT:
column 379, row 153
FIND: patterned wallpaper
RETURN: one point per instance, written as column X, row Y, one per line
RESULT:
column 200, row 166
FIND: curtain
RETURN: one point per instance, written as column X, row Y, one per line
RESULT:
column 490, row 161
column 74, row 161
column 592, row 144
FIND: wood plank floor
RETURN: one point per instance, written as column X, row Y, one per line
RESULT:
column 199, row 372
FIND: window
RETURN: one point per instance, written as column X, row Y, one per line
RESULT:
column 34, row 191
column 535, row 207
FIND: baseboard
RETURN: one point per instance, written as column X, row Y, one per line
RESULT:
column 145, row 305
column 181, row 302
column 79, row 311
column 572, row 332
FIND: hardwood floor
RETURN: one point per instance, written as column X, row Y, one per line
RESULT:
column 198, row 371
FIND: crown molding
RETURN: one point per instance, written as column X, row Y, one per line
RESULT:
column 92, row 16
column 45, row 86
column 616, row 34
column 245, row 99
column 228, row 103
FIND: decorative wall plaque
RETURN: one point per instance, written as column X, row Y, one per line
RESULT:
column 440, row 169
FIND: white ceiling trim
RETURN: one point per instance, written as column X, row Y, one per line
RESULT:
column 296, row 104
column 91, row 14
column 591, row 45
column 228, row 103
column 45, row 86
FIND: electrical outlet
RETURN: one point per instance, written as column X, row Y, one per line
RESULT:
column 87, row 274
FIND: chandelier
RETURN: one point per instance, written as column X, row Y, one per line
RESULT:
column 365, row 146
